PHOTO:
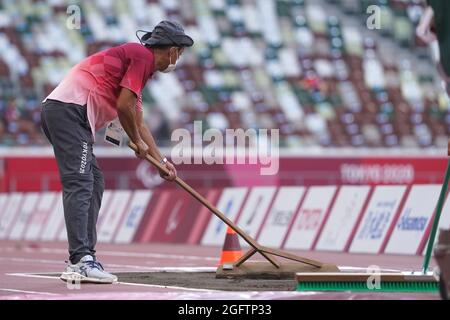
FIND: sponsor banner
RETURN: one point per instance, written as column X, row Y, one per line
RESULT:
column 62, row 232
column 149, row 223
column 343, row 217
column 377, row 173
column 142, row 175
column 40, row 215
column 230, row 204
column 3, row 201
column 414, row 219
column 294, row 171
column 177, row 220
column 28, row 174
column 171, row 218
column 203, row 218
column 40, row 173
column 281, row 216
column 310, row 218
column 113, row 215
column 55, row 220
column 10, row 213
column 133, row 216
column 255, row 210
column 23, row 216
column 354, row 217
column 444, row 222
column 106, row 203
column 2, row 178
column 378, row 218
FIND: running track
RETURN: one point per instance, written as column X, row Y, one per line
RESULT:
column 20, row 262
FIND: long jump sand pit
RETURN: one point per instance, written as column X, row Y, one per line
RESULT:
column 206, row 280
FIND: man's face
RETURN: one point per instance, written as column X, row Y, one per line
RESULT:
column 173, row 54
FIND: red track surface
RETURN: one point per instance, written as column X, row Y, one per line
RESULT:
column 20, row 261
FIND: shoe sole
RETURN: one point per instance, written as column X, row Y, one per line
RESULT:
column 76, row 277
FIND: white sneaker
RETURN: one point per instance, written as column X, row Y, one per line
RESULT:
column 87, row 271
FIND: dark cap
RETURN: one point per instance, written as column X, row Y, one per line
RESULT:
column 167, row 33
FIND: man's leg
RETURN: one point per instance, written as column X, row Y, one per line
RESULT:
column 70, row 135
column 96, row 201
column 77, row 194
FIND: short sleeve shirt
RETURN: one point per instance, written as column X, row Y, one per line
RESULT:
column 96, row 82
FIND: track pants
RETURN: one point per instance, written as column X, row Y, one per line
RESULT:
column 67, row 128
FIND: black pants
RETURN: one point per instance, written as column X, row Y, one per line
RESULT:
column 67, row 128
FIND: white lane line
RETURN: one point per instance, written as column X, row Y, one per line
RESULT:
column 166, row 287
column 50, row 275
column 29, row 275
column 58, row 262
column 180, row 269
column 30, row 292
column 31, row 260
column 120, row 254
column 157, row 255
column 161, row 269
column 364, row 270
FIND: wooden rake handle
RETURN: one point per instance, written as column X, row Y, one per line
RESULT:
column 265, row 252
column 200, row 198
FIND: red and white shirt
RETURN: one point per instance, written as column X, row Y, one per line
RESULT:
column 97, row 81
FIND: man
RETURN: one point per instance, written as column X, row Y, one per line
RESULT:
column 437, row 13
column 99, row 89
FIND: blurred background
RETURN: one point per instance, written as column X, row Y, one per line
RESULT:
column 309, row 68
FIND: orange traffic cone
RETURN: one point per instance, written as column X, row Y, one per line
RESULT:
column 231, row 251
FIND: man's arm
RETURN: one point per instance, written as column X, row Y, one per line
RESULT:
column 147, row 136
column 127, row 116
